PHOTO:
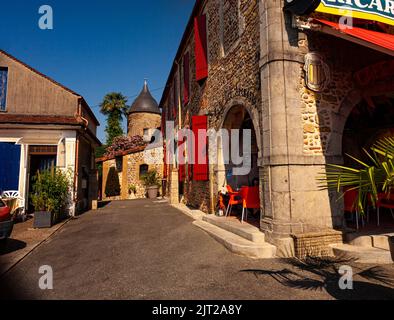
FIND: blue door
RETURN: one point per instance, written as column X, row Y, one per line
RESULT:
column 10, row 156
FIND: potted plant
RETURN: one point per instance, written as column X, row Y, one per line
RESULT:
column 371, row 179
column 132, row 190
column 151, row 182
column 49, row 197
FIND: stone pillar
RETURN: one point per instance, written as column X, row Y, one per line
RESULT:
column 292, row 202
column 174, row 186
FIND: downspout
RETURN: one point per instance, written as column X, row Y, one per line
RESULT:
column 211, row 178
column 76, row 163
column 76, row 173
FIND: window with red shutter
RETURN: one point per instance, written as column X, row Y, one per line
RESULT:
column 201, row 48
column 186, row 78
column 201, row 168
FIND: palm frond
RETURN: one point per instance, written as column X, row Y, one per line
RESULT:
column 369, row 180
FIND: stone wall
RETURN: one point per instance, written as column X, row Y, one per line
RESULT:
column 134, row 161
column 233, row 54
column 129, row 173
column 320, row 110
column 140, row 121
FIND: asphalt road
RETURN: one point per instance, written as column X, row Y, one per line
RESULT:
column 149, row 250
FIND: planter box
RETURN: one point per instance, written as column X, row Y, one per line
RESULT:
column 43, row 219
column 153, row 192
column 6, row 229
column 316, row 244
column 391, row 243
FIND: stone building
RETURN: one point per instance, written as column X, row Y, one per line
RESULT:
column 309, row 91
column 144, row 114
column 131, row 164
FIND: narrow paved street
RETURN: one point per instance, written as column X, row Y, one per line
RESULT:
column 149, row 250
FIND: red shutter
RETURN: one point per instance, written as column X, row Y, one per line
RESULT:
column 201, row 171
column 201, row 48
column 186, row 78
column 165, row 173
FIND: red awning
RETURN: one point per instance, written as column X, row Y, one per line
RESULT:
column 359, row 35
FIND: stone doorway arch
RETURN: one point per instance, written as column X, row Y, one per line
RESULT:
column 237, row 116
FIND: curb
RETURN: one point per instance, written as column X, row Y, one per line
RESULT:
column 194, row 214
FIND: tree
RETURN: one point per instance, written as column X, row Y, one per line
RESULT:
column 369, row 179
column 114, row 107
column 112, row 187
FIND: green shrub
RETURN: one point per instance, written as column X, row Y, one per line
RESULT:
column 51, row 189
column 151, row 179
column 132, row 189
column 112, row 187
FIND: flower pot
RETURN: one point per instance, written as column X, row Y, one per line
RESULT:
column 153, row 192
column 43, row 219
column 391, row 243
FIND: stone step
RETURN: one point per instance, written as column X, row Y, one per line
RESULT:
column 365, row 255
column 380, row 241
column 244, row 230
column 237, row 244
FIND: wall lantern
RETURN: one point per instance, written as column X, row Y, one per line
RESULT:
column 301, row 7
column 317, row 72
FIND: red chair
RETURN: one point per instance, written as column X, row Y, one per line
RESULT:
column 250, row 200
column 385, row 201
column 350, row 199
column 235, row 199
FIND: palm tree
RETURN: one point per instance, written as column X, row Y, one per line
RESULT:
column 114, row 107
column 370, row 179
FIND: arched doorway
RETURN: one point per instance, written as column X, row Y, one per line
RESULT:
column 238, row 118
column 370, row 120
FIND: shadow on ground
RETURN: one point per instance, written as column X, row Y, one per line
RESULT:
column 324, row 274
column 103, row 204
column 11, row 245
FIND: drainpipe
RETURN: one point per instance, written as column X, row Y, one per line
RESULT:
column 211, row 187
column 211, row 178
column 76, row 166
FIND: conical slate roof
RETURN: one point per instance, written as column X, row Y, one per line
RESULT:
column 145, row 102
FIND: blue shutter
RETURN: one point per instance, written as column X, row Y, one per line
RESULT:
column 10, row 155
column 3, row 88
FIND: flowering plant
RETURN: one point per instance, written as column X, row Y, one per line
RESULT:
column 124, row 143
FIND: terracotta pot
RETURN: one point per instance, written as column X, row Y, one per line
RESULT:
column 153, row 192
column 391, row 242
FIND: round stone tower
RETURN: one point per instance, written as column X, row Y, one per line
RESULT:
column 144, row 114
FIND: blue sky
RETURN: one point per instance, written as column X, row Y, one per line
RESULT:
column 98, row 46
